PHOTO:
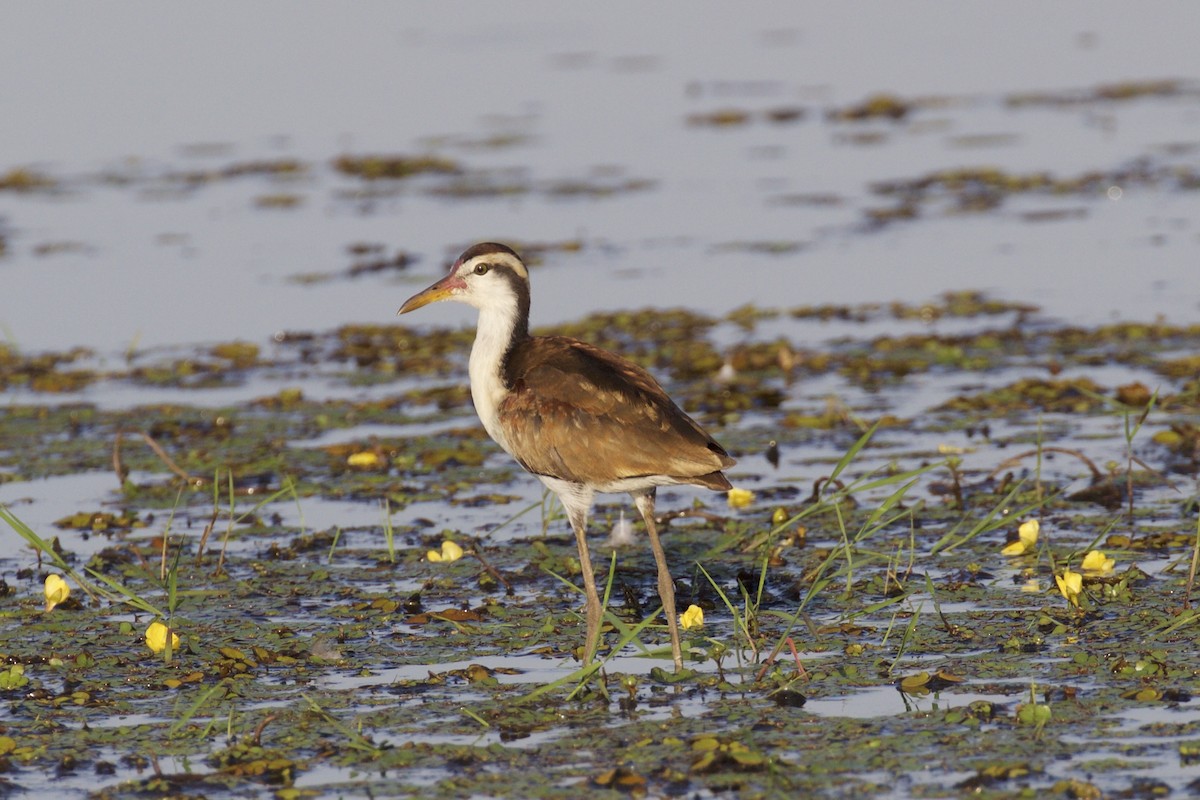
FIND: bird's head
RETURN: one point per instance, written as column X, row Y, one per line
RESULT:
column 489, row 276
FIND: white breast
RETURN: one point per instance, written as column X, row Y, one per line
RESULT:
column 487, row 386
column 487, row 391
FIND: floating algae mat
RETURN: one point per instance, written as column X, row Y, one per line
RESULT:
column 960, row 563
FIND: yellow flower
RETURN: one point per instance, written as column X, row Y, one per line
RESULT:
column 450, row 552
column 740, row 498
column 1027, row 536
column 1096, row 561
column 1070, row 584
column 57, row 591
column 156, row 637
column 692, row 618
column 367, row 458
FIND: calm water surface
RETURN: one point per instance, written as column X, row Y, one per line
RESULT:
column 109, row 102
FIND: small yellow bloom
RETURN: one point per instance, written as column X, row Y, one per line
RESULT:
column 1027, row 536
column 740, row 498
column 1096, row 561
column 692, row 618
column 57, row 591
column 367, row 458
column 1070, row 584
column 156, row 637
column 450, row 552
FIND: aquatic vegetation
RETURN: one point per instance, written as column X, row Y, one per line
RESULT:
column 377, row 167
column 20, row 179
column 878, row 106
column 863, row 547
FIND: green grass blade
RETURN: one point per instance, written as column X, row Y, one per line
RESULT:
column 42, row 546
column 195, row 707
column 853, row 452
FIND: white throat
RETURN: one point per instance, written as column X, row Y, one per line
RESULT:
column 492, row 338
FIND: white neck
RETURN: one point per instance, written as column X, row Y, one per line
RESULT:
column 492, row 339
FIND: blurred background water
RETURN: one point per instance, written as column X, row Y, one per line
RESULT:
column 601, row 125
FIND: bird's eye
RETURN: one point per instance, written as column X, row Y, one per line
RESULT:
column 481, row 269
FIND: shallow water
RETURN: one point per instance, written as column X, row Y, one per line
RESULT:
column 136, row 258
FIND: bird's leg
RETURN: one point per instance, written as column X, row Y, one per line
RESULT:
column 666, row 587
column 578, row 520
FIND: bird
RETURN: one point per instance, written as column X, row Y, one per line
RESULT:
column 581, row 419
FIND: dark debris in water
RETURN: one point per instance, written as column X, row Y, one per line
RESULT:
column 892, row 108
column 376, row 167
column 44, row 372
column 281, row 168
column 878, row 106
column 986, row 188
column 20, row 179
column 1106, row 93
column 734, row 117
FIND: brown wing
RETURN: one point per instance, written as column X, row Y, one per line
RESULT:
column 581, row 414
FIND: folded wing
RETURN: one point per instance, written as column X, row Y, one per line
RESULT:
column 578, row 413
